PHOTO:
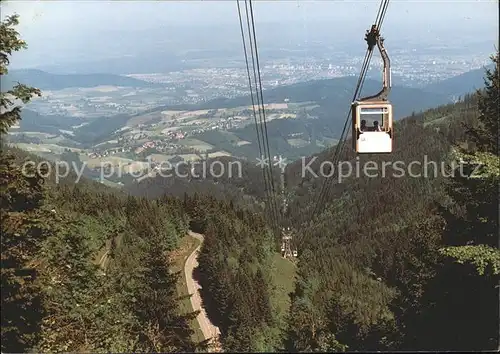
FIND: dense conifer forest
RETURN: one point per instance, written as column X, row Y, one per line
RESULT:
column 387, row 263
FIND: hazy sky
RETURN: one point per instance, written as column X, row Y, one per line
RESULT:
column 61, row 21
column 74, row 15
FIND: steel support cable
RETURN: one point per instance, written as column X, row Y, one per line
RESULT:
column 340, row 145
column 384, row 11
column 381, row 13
column 323, row 193
column 342, row 141
column 267, row 186
column 250, row 82
column 263, row 120
column 267, row 169
column 364, row 75
column 249, row 77
column 261, row 94
column 273, row 214
column 266, row 191
column 380, row 9
column 324, row 190
column 378, row 23
column 327, row 184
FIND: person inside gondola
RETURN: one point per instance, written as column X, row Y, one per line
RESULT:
column 363, row 126
column 376, row 127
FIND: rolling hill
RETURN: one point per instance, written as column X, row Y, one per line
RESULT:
column 334, row 97
column 35, row 122
column 48, row 81
column 138, row 64
column 371, row 271
column 461, row 84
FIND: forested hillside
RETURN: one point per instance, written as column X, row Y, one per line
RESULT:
column 33, row 121
column 407, row 263
column 332, row 98
column 241, row 182
column 333, row 95
column 57, row 292
column 83, row 268
column 393, row 262
column 240, row 275
column 389, row 262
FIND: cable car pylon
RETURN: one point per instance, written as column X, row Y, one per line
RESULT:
column 287, row 249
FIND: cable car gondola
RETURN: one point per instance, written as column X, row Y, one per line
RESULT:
column 372, row 116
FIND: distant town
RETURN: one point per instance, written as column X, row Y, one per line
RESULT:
column 411, row 68
column 150, row 136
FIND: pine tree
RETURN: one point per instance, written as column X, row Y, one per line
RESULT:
column 465, row 290
column 21, row 227
column 485, row 134
column 476, row 194
column 11, row 42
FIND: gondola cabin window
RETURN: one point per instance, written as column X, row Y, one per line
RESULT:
column 374, row 119
column 372, row 131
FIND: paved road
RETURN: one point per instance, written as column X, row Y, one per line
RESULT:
column 208, row 329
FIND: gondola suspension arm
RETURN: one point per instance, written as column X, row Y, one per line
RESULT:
column 373, row 39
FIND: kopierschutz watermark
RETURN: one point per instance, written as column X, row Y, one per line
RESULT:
column 424, row 168
column 204, row 169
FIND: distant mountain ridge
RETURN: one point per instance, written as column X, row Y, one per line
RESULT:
column 48, row 81
column 322, row 123
column 461, row 84
column 333, row 96
column 32, row 121
column 123, row 65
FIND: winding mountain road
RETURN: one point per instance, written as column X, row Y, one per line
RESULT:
column 209, row 330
